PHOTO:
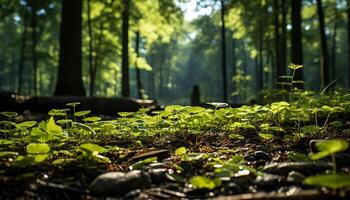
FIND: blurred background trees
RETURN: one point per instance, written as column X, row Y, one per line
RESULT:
column 232, row 49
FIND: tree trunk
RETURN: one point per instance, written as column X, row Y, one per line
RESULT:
column 296, row 35
column 22, row 54
column 34, row 55
column 348, row 13
column 283, row 51
column 277, row 39
column 234, row 66
column 138, row 72
column 125, row 51
column 92, row 86
column 334, row 44
column 223, row 40
column 324, row 69
column 69, row 80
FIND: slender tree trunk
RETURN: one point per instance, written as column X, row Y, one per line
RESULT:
column 138, row 72
column 69, row 80
column 22, row 54
column 125, row 52
column 348, row 13
column 324, row 69
column 90, row 48
column 277, row 39
column 234, row 65
column 34, row 55
column 223, row 40
column 283, row 51
column 296, row 35
column 96, row 59
column 334, row 44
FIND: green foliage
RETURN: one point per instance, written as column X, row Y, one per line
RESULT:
column 38, row 148
column 329, row 147
column 333, row 181
column 205, row 182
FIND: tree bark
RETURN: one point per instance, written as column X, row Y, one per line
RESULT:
column 324, row 69
column 283, row 51
column 348, row 13
column 277, row 39
column 91, row 70
column 334, row 44
column 22, row 54
column 69, row 81
column 138, row 72
column 125, row 51
column 296, row 35
column 223, row 40
column 34, row 55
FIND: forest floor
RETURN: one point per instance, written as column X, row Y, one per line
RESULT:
column 178, row 153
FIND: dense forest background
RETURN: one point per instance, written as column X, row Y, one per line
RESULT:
column 231, row 49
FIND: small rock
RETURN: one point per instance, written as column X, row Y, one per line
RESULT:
column 118, row 183
column 261, row 155
column 295, row 177
column 269, row 181
column 158, row 175
column 306, row 168
column 133, row 194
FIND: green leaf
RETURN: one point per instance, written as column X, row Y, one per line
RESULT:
column 125, row 114
column 99, row 158
column 180, row 151
column 92, row 119
column 8, row 153
column 236, row 136
column 26, row 124
column 82, row 113
column 138, row 165
column 266, row 136
column 329, row 147
column 295, row 67
column 333, row 181
column 73, row 104
column 89, row 147
column 204, row 182
column 37, row 148
column 52, row 127
column 58, row 112
column 9, row 114
column 311, row 129
column 172, row 108
column 25, row 161
column 6, row 142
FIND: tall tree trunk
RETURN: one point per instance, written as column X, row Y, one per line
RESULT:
column 22, row 54
column 125, row 51
column 296, row 35
column 96, row 59
column 283, row 51
column 234, row 66
column 92, row 86
column 223, row 49
column 34, row 55
column 277, row 39
column 324, row 69
column 334, row 44
column 138, row 72
column 69, row 80
column 348, row 13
